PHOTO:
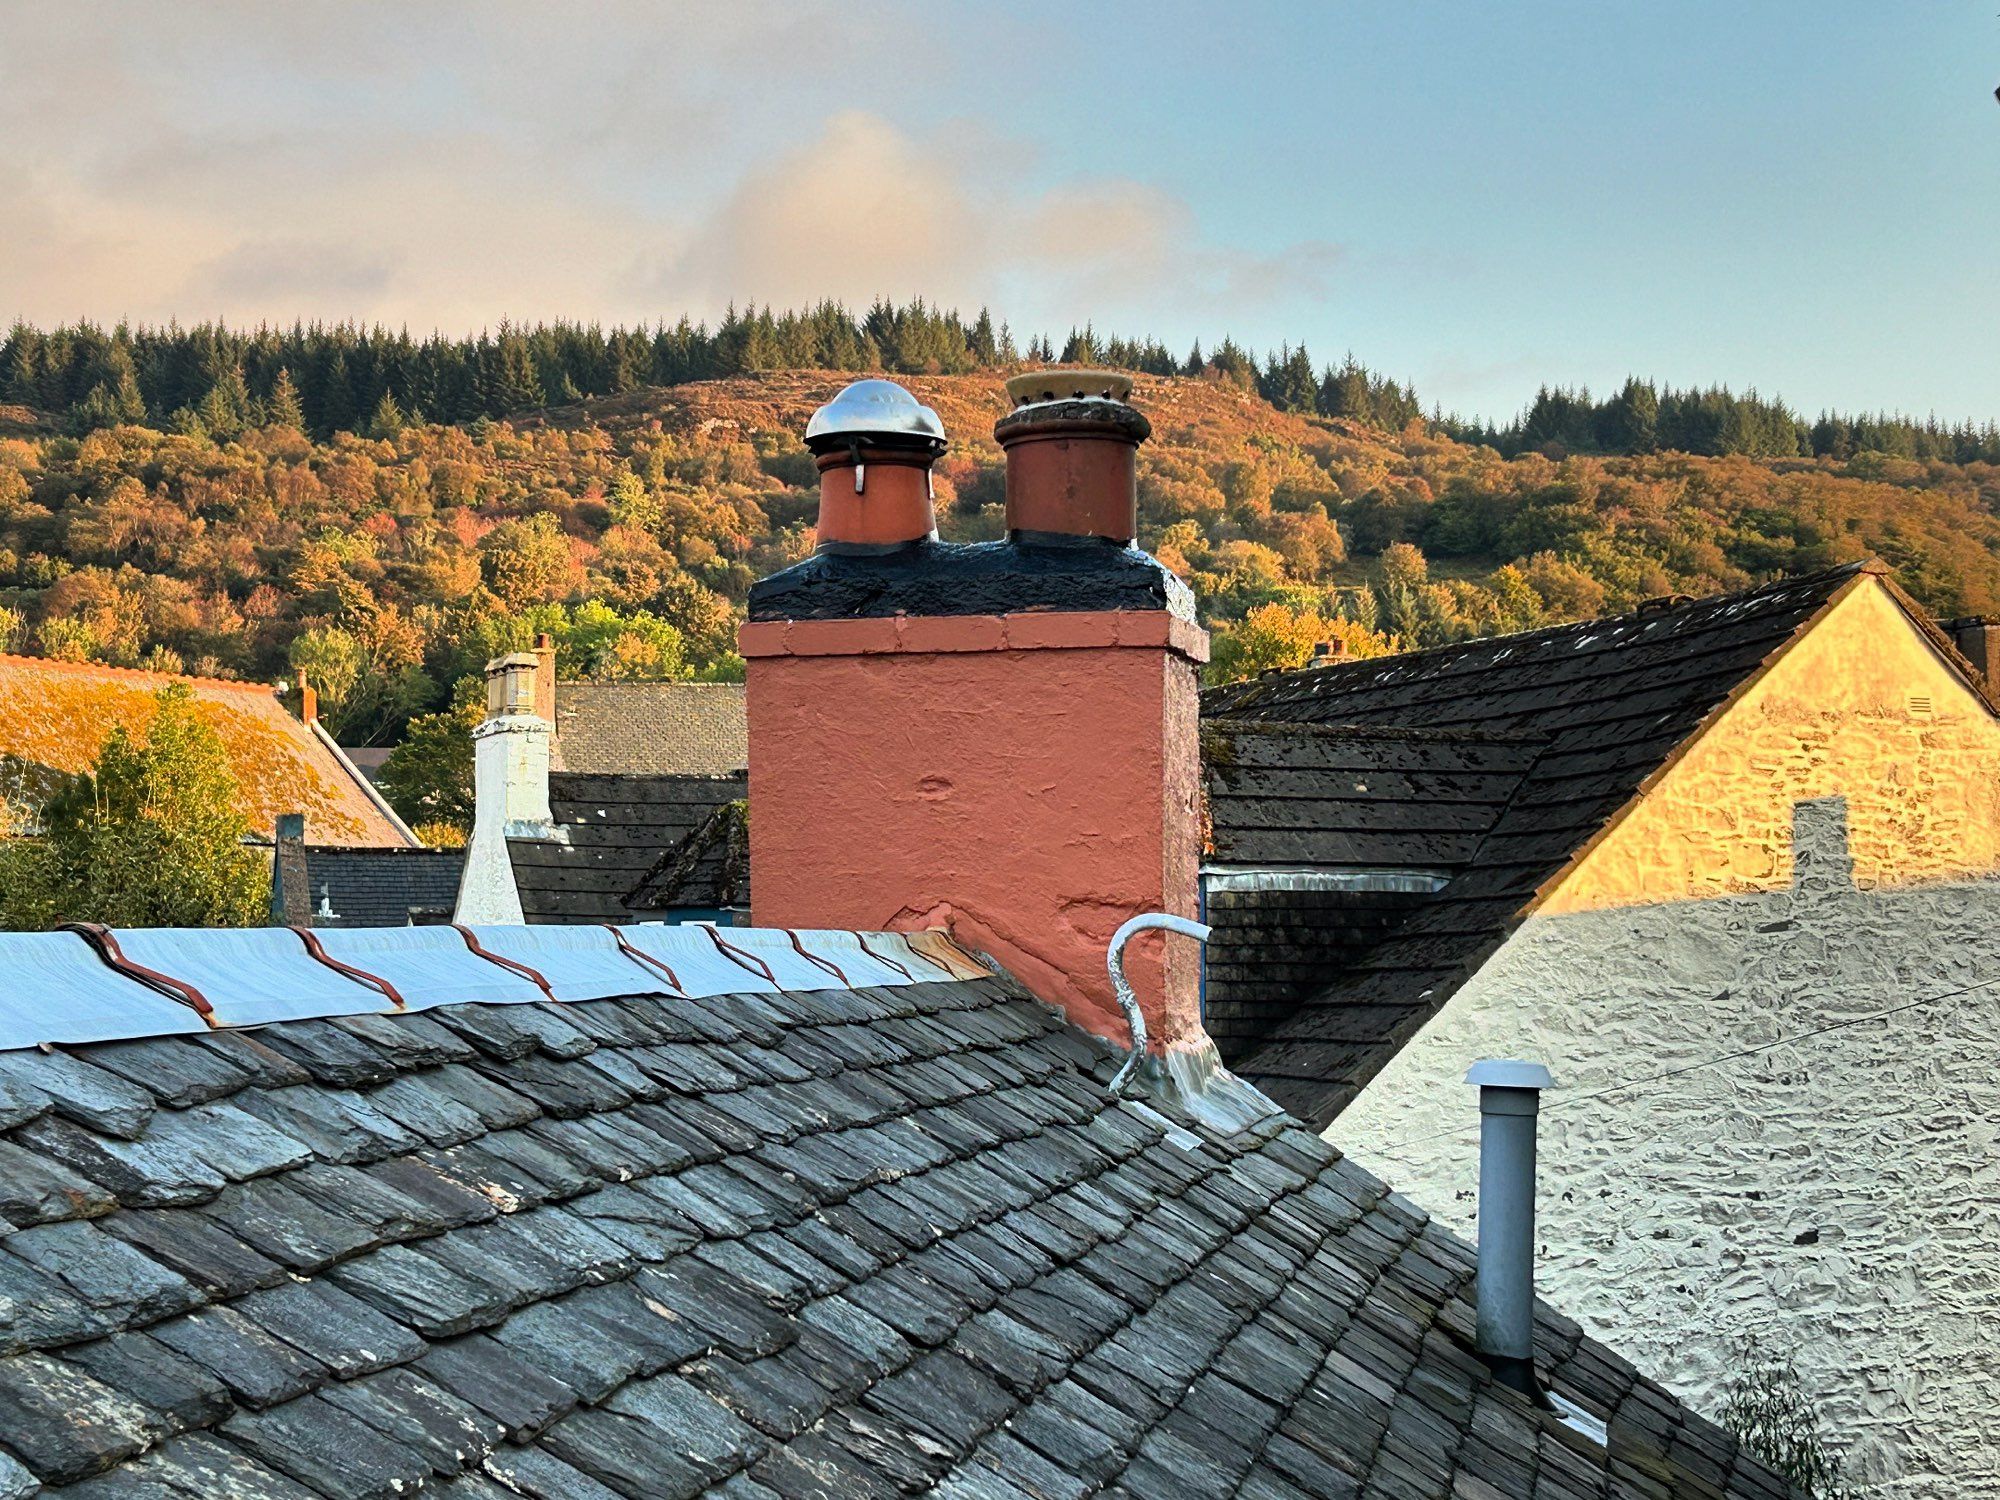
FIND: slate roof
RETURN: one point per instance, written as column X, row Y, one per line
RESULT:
column 54, row 716
column 1282, row 793
column 1612, row 699
column 651, row 728
column 838, row 1243
column 380, row 887
column 619, row 827
column 708, row 868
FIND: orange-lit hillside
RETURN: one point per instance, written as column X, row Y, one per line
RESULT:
column 57, row 714
column 393, row 563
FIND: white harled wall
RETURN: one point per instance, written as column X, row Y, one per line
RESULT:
column 1835, row 1198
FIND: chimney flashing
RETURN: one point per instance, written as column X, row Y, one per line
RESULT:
column 1082, row 575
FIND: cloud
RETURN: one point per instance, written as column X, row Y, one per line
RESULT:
column 866, row 210
column 485, row 160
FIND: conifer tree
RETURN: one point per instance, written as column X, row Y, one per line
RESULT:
column 985, row 349
column 282, row 408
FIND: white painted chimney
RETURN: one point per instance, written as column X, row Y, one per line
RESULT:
column 1510, row 1098
column 510, row 784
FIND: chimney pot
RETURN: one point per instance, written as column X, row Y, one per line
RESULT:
column 545, row 676
column 308, row 700
column 874, row 445
column 1509, row 1101
column 1072, row 447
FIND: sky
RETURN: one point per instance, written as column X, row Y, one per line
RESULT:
column 1803, row 198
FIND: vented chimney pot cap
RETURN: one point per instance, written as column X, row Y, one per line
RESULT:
column 1509, row 1073
column 875, row 411
column 1036, row 386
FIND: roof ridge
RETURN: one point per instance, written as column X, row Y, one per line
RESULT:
column 105, row 669
column 1841, row 573
column 641, row 683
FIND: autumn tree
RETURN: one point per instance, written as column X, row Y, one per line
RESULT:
column 526, row 560
column 149, row 837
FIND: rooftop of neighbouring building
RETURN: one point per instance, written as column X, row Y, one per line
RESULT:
column 54, row 716
column 623, row 833
column 1597, row 708
column 651, row 728
column 569, row 1212
column 377, row 887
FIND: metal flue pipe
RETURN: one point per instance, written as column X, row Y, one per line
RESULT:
column 1510, row 1094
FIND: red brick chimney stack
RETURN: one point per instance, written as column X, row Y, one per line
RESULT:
column 997, row 737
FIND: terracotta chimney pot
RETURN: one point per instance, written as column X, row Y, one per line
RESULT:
column 1072, row 448
column 874, row 445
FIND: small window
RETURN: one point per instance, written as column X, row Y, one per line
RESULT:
column 1920, row 705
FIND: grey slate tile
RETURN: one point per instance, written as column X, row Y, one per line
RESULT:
column 420, row 1416
column 342, row 1332
column 35, row 1189
column 415, row 1289
column 200, row 1249
column 75, row 1089
column 200, row 1466
column 516, row 1392
column 118, row 1281
column 543, row 1476
column 64, row 1424
column 177, row 1392
column 338, row 1125
column 140, row 1171
column 260, row 1369
column 318, row 1444
column 173, row 1072
column 16, row 1482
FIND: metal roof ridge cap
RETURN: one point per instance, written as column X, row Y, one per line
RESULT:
column 105, row 943
column 472, row 941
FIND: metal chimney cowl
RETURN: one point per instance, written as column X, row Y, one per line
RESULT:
column 874, row 444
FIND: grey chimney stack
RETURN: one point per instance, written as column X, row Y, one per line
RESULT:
column 1510, row 1097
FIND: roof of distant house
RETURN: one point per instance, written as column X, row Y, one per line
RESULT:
column 54, row 715
column 380, row 887
column 1610, row 701
column 869, row 1226
column 619, row 829
column 708, row 868
column 651, row 728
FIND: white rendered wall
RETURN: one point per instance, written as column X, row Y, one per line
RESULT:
column 1835, row 1198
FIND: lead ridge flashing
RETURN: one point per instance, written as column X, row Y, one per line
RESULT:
column 63, row 987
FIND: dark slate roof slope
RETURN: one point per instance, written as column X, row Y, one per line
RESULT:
column 1612, row 698
column 707, row 869
column 1285, row 794
column 652, row 728
column 618, row 827
column 380, row 887
column 834, row 1244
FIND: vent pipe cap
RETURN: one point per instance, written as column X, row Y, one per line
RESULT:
column 876, row 414
column 1509, row 1073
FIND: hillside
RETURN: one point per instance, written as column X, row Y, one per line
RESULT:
column 391, row 565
